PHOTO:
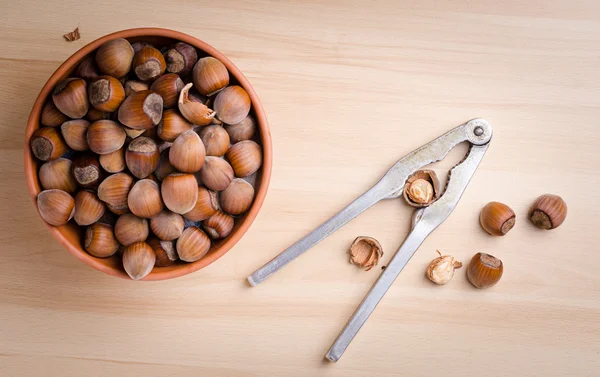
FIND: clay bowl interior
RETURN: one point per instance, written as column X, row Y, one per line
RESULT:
column 71, row 235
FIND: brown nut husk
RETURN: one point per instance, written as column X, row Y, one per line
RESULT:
column 141, row 110
column 441, row 269
column 168, row 87
column 106, row 93
column 51, row 116
column 179, row 192
column 55, row 206
column 47, row 144
column 245, row 158
column 172, row 125
column 56, row 174
column 232, row 104
column 210, row 76
column 105, row 136
column 365, row 252
column 114, row 57
column 86, row 170
column 206, row 205
column 180, row 58
column 138, row 260
column 148, row 63
column 100, row 240
column 142, row 157
column 70, row 97
column 194, row 111
column 144, row 199
column 165, row 251
column 167, row 225
column 237, row 197
column 74, row 133
column 130, row 228
column 215, row 140
column 244, row 130
column 88, row 208
column 421, row 189
column 187, row 152
column 113, row 162
column 114, row 191
column 548, row 211
column 192, row 245
column 484, row 270
column 497, row 218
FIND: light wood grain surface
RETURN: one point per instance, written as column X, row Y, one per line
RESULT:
column 348, row 87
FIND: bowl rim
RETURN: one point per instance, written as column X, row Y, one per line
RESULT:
column 264, row 133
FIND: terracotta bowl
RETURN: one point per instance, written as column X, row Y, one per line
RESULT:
column 70, row 235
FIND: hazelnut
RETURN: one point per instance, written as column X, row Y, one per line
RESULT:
column 180, row 58
column 216, row 174
column 141, row 110
column 100, row 240
column 74, row 131
column 215, row 140
column 51, row 116
column 94, row 114
column 114, row 57
column 132, row 86
column 218, row 225
column 164, row 167
column 165, row 251
column 244, row 130
column 47, row 144
column 106, row 93
column 137, row 46
column 148, row 63
column 172, row 125
column 193, row 110
column 138, row 260
column 114, row 191
column 441, row 269
column 548, row 211
column 105, row 136
column 237, row 197
column 206, row 205
column 421, row 188
column 484, row 270
column 192, row 245
column 56, row 174
column 187, row 152
column 55, row 206
column 232, row 104
column 70, row 97
column 210, row 76
column 133, row 133
column 142, row 157
column 167, row 225
column 168, row 87
column 113, row 162
column 245, row 158
column 88, row 208
column 87, row 69
column 497, row 219
column 87, row 171
column 179, row 192
column 130, row 229
column 117, row 210
column 144, row 199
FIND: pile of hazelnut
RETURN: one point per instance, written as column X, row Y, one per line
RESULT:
column 154, row 168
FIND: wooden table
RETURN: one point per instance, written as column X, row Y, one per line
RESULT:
column 349, row 87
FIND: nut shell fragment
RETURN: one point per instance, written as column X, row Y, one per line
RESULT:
column 365, row 252
column 441, row 269
column 421, row 188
